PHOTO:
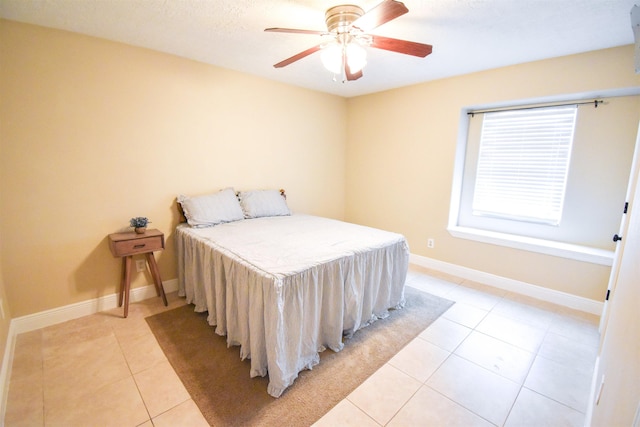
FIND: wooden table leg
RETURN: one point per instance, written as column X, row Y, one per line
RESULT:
column 155, row 272
column 127, row 283
column 123, row 278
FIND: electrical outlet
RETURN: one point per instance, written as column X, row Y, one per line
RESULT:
column 431, row 243
column 140, row 265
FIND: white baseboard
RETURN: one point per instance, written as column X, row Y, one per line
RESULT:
column 5, row 371
column 534, row 291
column 54, row 316
column 46, row 318
column 592, row 394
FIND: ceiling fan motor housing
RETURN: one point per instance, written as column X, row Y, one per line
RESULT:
column 340, row 18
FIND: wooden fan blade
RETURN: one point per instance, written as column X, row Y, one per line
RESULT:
column 294, row 30
column 401, row 46
column 297, row 57
column 382, row 13
column 351, row 76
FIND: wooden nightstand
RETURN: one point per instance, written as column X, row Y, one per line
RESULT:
column 126, row 245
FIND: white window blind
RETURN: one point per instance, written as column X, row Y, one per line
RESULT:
column 523, row 164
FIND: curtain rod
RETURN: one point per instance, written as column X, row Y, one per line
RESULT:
column 595, row 104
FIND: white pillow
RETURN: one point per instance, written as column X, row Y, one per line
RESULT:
column 212, row 209
column 259, row 203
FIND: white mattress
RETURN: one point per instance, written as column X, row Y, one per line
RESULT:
column 286, row 288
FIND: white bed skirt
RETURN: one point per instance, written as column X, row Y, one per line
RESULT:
column 285, row 307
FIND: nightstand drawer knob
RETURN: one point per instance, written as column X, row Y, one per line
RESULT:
column 139, row 246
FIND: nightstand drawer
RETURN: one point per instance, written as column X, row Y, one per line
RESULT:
column 137, row 246
column 125, row 244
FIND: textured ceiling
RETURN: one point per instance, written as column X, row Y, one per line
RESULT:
column 467, row 35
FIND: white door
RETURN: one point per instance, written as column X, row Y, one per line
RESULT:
column 615, row 390
column 624, row 224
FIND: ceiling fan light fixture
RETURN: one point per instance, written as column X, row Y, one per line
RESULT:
column 333, row 53
column 356, row 57
column 331, row 57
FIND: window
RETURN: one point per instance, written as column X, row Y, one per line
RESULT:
column 543, row 177
column 523, row 164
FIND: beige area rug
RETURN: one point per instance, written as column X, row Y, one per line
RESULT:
column 219, row 383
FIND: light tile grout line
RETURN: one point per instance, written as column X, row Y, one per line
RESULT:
column 133, row 378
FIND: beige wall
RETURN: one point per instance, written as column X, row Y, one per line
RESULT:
column 93, row 133
column 401, row 150
column 4, row 323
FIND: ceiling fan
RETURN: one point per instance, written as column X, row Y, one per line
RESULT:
column 348, row 29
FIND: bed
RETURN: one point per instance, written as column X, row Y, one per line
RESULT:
column 284, row 287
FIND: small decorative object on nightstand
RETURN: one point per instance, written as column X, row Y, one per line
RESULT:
column 127, row 244
column 139, row 224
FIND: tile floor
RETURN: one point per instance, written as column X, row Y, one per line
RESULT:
column 494, row 358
